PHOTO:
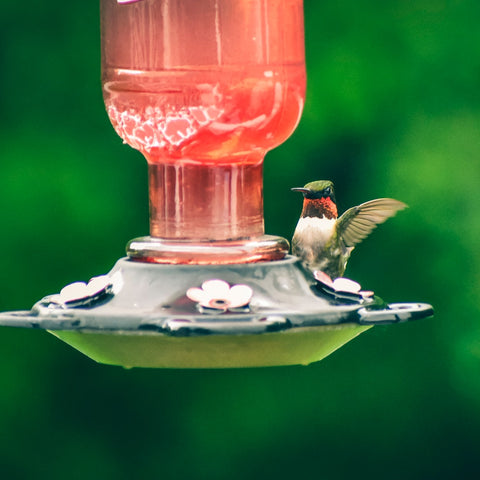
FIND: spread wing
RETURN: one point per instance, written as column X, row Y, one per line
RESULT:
column 357, row 222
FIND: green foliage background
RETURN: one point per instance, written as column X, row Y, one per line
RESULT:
column 393, row 109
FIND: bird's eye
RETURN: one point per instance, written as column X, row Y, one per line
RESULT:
column 328, row 191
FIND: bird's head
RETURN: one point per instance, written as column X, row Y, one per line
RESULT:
column 318, row 189
column 319, row 199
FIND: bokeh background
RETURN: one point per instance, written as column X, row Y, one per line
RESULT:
column 393, row 109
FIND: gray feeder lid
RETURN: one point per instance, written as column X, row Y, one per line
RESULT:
column 209, row 316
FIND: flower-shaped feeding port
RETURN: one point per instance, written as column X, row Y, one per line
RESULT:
column 342, row 288
column 84, row 295
column 218, row 296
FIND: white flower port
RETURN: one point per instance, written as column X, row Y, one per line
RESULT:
column 218, row 296
column 342, row 284
column 79, row 293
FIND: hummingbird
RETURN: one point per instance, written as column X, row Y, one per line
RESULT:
column 324, row 241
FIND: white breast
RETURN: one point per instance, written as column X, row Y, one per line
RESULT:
column 315, row 232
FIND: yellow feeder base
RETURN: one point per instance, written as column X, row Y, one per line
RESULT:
column 299, row 346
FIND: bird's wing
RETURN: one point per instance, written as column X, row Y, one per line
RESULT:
column 357, row 222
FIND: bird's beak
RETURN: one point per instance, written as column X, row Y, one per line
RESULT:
column 305, row 191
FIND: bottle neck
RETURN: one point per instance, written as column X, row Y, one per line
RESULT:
column 216, row 201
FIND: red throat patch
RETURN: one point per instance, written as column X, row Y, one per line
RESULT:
column 319, row 207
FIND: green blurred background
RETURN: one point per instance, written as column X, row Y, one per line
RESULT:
column 393, row 109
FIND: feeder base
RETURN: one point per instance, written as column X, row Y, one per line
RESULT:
column 190, row 316
column 301, row 346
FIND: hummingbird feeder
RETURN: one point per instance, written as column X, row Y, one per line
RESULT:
column 203, row 89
